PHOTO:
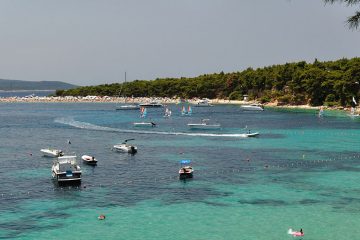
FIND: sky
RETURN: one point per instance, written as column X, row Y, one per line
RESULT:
column 91, row 42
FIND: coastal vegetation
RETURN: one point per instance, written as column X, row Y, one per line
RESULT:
column 331, row 83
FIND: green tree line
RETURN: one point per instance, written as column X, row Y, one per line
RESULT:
column 332, row 83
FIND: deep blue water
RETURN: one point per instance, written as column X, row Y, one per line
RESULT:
column 302, row 171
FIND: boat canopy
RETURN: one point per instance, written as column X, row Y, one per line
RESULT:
column 185, row 161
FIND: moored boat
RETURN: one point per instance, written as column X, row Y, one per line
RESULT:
column 204, row 125
column 203, row 103
column 185, row 171
column 252, row 107
column 128, row 107
column 151, row 105
column 89, row 159
column 50, row 152
column 65, row 169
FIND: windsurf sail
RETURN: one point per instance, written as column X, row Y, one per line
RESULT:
column 185, row 161
column 354, row 101
column 143, row 112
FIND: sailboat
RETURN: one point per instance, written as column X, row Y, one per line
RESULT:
column 321, row 112
column 167, row 113
column 353, row 109
column 185, row 112
column 189, row 110
column 143, row 114
column 127, row 106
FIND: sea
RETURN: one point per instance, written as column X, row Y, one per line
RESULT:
column 302, row 171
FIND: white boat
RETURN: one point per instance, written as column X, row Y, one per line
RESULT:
column 255, row 134
column 252, row 107
column 144, row 124
column 89, row 159
column 50, row 152
column 128, row 107
column 203, row 125
column 125, row 148
column 167, row 113
column 65, row 169
column 185, row 171
column 203, row 103
column 151, row 105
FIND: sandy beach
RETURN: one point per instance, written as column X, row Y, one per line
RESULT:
column 122, row 100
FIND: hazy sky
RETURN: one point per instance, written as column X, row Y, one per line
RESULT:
column 90, row 42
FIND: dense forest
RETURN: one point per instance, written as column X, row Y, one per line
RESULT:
column 331, row 83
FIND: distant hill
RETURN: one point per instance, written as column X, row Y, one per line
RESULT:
column 10, row 85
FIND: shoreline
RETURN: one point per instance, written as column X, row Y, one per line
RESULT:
column 122, row 100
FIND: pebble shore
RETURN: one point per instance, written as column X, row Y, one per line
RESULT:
column 107, row 99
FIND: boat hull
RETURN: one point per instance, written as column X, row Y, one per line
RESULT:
column 144, row 124
column 149, row 105
column 185, row 175
column 128, row 149
column 64, row 177
column 251, row 108
column 128, row 107
column 203, row 105
column 89, row 160
column 51, row 153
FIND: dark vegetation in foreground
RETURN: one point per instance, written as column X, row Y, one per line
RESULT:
column 332, row 83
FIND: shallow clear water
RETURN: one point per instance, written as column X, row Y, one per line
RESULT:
column 301, row 172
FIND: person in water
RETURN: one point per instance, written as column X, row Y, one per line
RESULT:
column 101, row 217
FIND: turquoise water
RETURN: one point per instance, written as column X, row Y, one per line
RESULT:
column 301, row 172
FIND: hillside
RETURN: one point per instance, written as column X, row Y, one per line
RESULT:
column 11, row 85
column 332, row 83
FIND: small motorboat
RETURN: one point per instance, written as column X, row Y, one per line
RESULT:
column 151, row 105
column 252, row 107
column 89, row 159
column 128, row 107
column 204, row 125
column 144, row 124
column 50, row 152
column 125, row 148
column 203, row 103
column 186, row 171
column 65, row 169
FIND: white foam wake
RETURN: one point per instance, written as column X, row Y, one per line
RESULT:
column 85, row 125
